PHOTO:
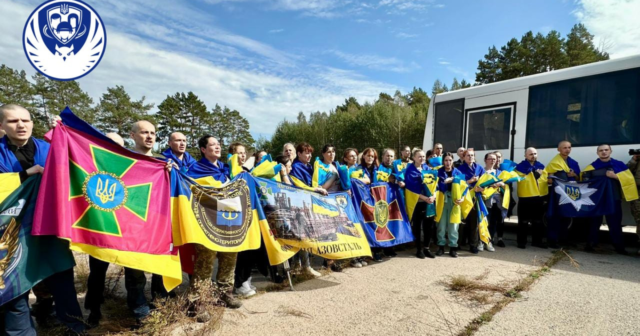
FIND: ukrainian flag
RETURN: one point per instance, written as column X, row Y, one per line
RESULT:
column 324, row 208
column 419, row 182
column 627, row 181
column 9, row 182
column 483, row 223
column 321, row 173
column 234, row 167
column 383, row 174
column 460, row 189
column 435, row 162
column 344, row 172
column 266, row 168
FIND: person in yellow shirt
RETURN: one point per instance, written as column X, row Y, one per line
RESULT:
column 531, row 192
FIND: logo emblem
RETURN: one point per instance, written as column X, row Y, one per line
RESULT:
column 105, row 191
column 64, row 40
column 342, row 201
column 576, row 194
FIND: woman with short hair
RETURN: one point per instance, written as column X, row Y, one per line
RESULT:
column 445, row 181
column 472, row 172
column 420, row 223
column 302, row 170
column 494, row 203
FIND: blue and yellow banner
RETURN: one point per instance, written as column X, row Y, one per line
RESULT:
column 382, row 212
column 581, row 199
column 327, row 226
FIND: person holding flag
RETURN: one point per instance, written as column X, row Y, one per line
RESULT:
column 302, row 171
column 177, row 152
column 25, row 156
column 211, row 171
column 493, row 196
column 236, row 158
column 420, row 206
column 369, row 164
column 289, row 150
column 446, row 217
column 472, row 173
column 624, row 187
column 563, row 167
column 331, row 180
column 531, row 192
column 385, row 170
column 635, row 205
column 405, row 158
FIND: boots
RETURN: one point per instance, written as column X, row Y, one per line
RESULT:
column 453, row 252
column 440, row 251
column 231, row 301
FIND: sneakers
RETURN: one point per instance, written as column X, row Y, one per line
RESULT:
column 490, row 247
column 364, row 263
column 230, row 300
column 244, row 290
column 501, row 243
column 428, row 254
column 356, row 263
column 440, row 251
column 311, row 271
column 480, row 246
column 250, row 285
column 453, row 252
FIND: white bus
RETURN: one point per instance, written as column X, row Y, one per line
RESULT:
column 587, row 105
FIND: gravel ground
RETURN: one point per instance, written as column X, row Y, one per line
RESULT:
column 400, row 296
column 602, row 297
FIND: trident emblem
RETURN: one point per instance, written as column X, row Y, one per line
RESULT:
column 106, row 193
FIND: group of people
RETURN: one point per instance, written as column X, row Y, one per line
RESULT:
column 234, row 269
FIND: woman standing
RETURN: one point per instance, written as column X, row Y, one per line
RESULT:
column 369, row 164
column 328, row 159
column 420, row 223
column 445, row 180
column 350, row 159
column 289, row 150
column 494, row 202
column 472, row 173
column 285, row 170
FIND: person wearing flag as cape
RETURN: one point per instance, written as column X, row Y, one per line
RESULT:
column 446, row 218
column 563, row 167
column 531, row 192
column 369, row 164
column 418, row 204
column 177, row 152
column 25, row 155
column 211, row 171
column 472, row 172
column 624, row 188
column 302, row 172
column 400, row 164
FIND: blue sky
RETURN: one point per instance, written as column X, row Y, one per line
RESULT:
column 270, row 59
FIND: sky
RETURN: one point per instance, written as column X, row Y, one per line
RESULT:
column 271, row 59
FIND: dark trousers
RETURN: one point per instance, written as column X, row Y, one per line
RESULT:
column 496, row 222
column 614, row 221
column 244, row 265
column 558, row 228
column 530, row 210
column 65, row 297
column 134, row 282
column 471, row 227
column 420, row 224
column 95, row 284
column 17, row 317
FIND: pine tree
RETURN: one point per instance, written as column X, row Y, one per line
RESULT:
column 580, row 49
column 184, row 113
column 116, row 112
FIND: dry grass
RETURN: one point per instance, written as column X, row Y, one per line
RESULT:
column 289, row 311
column 81, row 272
column 513, row 293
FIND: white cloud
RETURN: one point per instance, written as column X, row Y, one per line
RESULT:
column 374, row 61
column 444, row 63
column 275, row 31
column 264, row 84
column 406, row 36
column 439, row 6
column 614, row 23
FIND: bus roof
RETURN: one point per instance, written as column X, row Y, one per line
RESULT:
column 542, row 78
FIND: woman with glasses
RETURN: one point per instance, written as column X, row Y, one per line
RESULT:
column 494, row 203
column 445, row 181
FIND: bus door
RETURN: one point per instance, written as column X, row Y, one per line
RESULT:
column 489, row 129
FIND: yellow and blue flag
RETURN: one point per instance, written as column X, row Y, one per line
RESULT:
column 529, row 186
column 321, row 173
column 559, row 167
column 383, row 174
column 324, row 208
column 627, row 182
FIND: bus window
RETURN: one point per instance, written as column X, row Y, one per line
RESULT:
column 489, row 129
column 586, row 111
column 448, row 124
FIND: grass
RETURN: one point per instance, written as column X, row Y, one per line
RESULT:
column 288, row 311
column 510, row 294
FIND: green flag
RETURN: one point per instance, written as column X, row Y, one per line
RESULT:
column 26, row 260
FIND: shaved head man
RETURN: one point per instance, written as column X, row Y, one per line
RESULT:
column 531, row 191
column 16, row 122
column 143, row 134
column 563, row 167
column 116, row 138
column 177, row 152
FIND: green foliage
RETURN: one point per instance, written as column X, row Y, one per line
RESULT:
column 53, row 96
column 537, row 54
column 116, row 112
column 389, row 122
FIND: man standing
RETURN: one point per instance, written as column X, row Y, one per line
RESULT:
column 177, row 152
column 624, row 187
column 635, row 205
column 211, row 171
column 563, row 167
column 21, row 153
column 531, row 192
column 460, row 159
column 438, row 150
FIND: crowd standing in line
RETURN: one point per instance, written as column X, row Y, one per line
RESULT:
column 234, row 269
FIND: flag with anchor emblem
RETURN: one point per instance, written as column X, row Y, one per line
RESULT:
column 383, row 213
column 107, row 201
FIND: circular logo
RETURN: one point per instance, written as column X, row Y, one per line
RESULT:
column 104, row 191
column 64, row 39
column 381, row 213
